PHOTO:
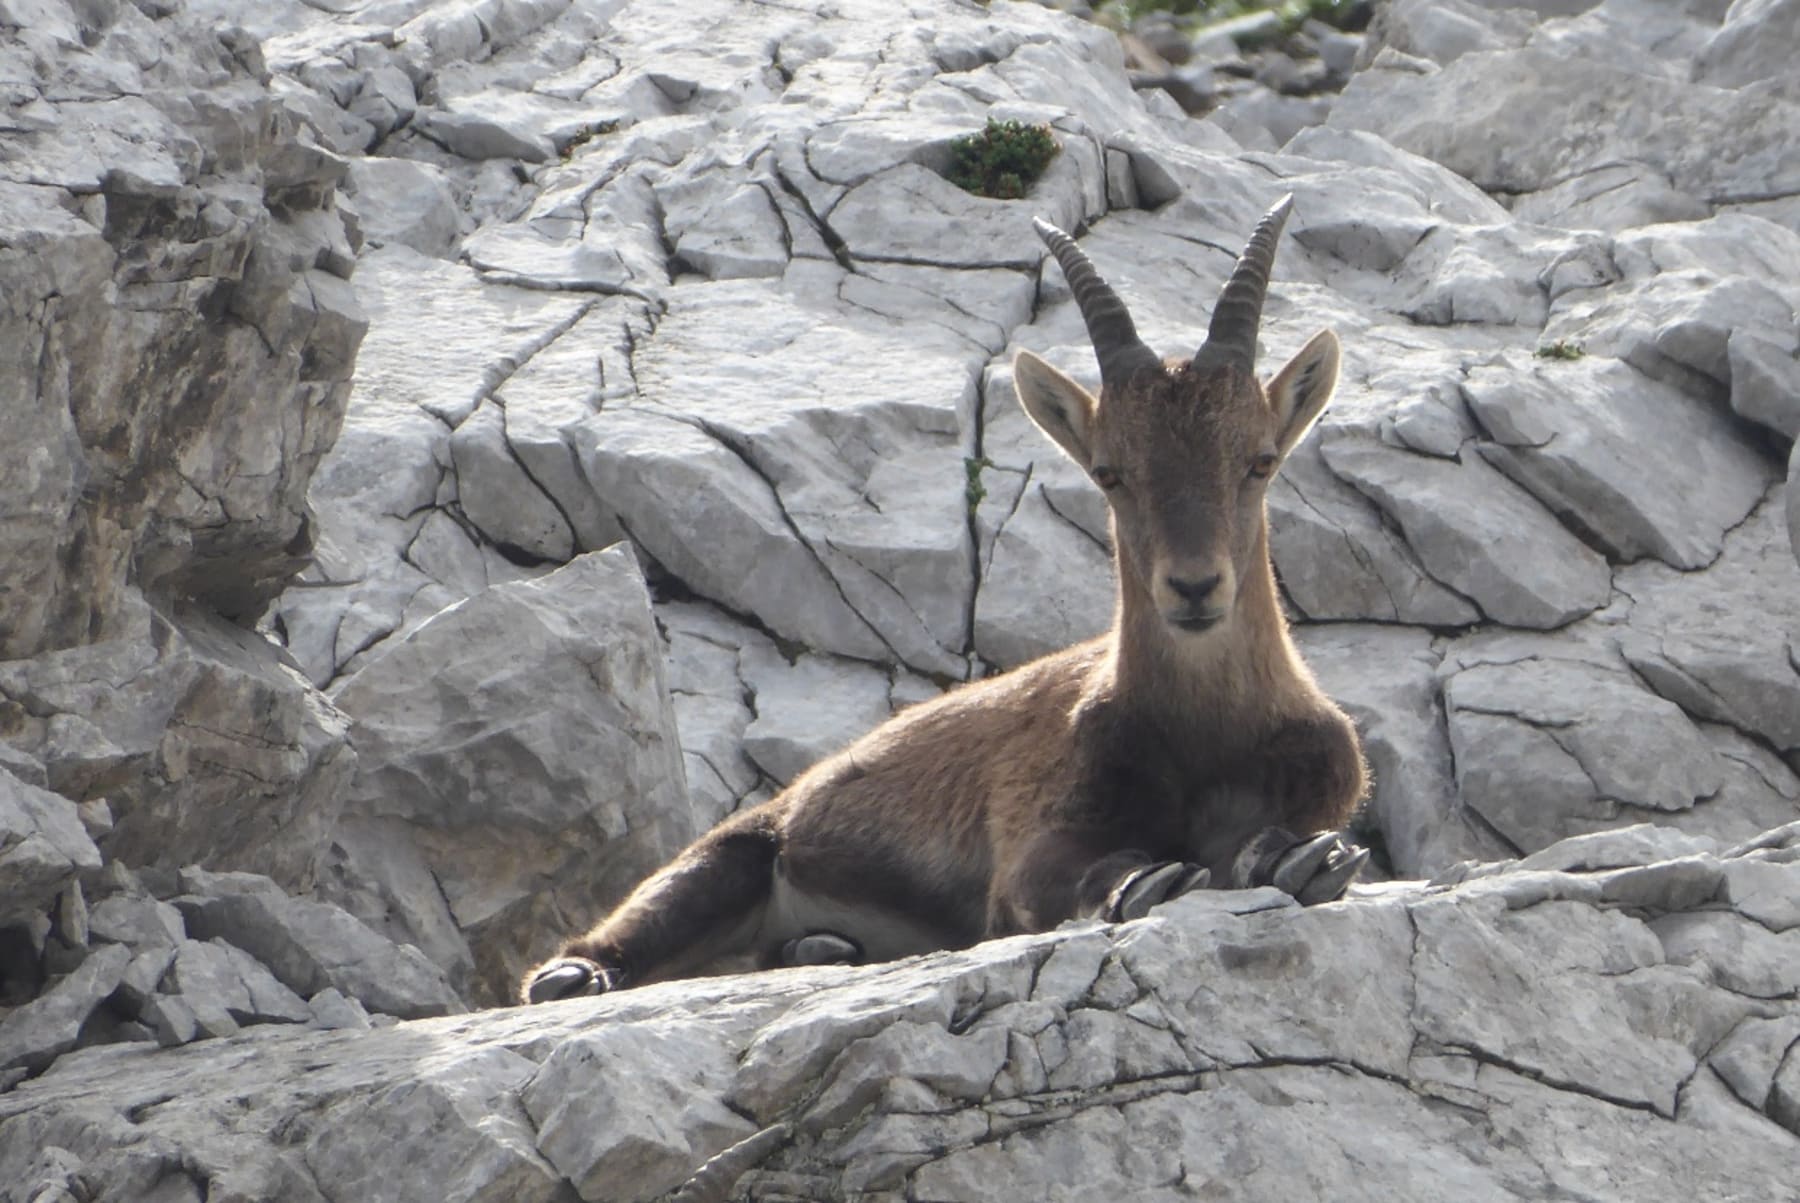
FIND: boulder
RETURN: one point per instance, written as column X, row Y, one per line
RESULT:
column 42, row 848
column 308, row 945
column 517, row 769
column 207, row 745
column 178, row 325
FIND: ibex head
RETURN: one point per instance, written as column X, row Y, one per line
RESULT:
column 1183, row 449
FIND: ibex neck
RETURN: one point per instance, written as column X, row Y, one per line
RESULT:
column 1219, row 689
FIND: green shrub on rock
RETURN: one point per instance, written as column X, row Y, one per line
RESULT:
column 1003, row 160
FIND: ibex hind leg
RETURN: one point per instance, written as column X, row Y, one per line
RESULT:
column 705, row 905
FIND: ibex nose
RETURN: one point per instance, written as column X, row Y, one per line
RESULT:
column 1194, row 592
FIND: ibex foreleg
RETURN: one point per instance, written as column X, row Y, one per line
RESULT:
column 704, row 903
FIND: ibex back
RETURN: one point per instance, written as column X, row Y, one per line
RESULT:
column 1183, row 746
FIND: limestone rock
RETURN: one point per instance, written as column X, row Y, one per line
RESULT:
column 178, row 328
column 311, row 945
column 42, row 847
column 1560, row 431
column 208, row 746
column 1482, row 138
column 1477, row 533
column 35, row 1034
column 1742, row 676
column 1094, row 1054
column 520, row 750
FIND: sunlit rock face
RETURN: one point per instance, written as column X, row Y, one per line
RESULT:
column 453, row 453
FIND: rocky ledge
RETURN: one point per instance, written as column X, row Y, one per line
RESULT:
column 452, row 451
column 1589, row 1024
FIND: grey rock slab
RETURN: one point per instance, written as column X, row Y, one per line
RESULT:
column 37, row 1033
column 1477, row 532
column 144, row 975
column 1793, row 501
column 712, row 704
column 479, row 334
column 1739, row 953
column 199, row 482
column 1336, row 1012
column 813, row 489
column 1046, row 584
column 1546, row 748
column 1046, row 578
column 332, row 1009
column 912, row 214
column 520, row 741
column 216, row 974
column 1639, row 844
column 1262, row 1024
column 496, row 124
column 1641, row 467
column 405, row 202
column 1681, row 325
column 1768, row 893
column 1686, row 639
column 1746, row 48
column 498, row 495
column 310, row 945
column 807, row 709
column 1765, row 380
column 1494, row 142
column 42, row 847
column 1603, row 970
column 1338, row 558
column 635, row 1146
column 1386, row 678
column 546, row 401
column 1750, row 1057
column 741, row 234
column 215, row 749
column 1444, row 32
column 457, row 1133
column 1610, row 196
column 173, row 1020
column 1439, row 192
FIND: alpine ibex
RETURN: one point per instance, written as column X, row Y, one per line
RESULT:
column 1182, row 746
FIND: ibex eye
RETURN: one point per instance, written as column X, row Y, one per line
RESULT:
column 1106, row 478
column 1262, row 466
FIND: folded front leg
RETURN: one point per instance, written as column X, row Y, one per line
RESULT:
column 1066, row 873
column 1316, row 869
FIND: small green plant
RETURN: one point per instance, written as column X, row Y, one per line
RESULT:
column 1003, row 160
column 1562, row 348
column 974, row 491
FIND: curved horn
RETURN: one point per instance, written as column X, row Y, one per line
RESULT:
column 1122, row 354
column 1231, row 337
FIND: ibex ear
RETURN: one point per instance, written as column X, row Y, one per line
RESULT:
column 1299, row 391
column 1061, row 408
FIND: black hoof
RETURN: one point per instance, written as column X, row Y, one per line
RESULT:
column 1313, row 870
column 1145, row 887
column 821, row 948
column 570, row 977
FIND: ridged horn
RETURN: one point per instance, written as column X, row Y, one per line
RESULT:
column 1122, row 354
column 714, row 1181
column 1231, row 336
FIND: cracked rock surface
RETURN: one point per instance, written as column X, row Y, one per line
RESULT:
column 453, row 452
column 736, row 317
column 1232, row 1045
